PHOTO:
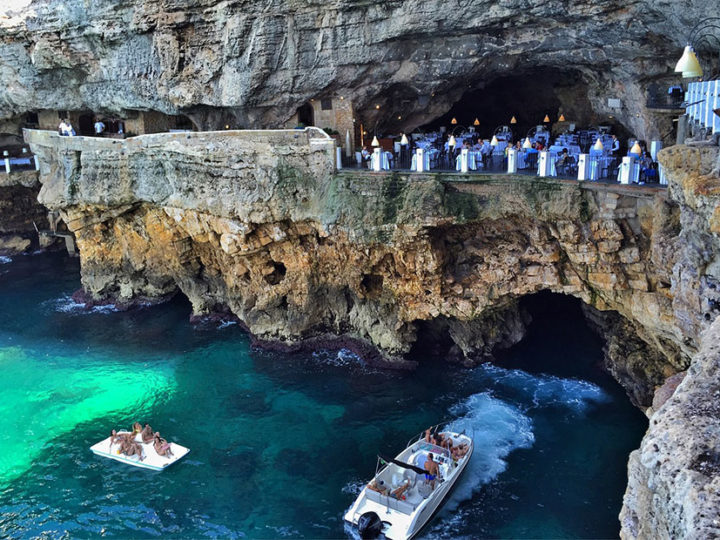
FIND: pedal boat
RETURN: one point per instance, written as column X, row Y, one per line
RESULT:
column 374, row 514
column 152, row 460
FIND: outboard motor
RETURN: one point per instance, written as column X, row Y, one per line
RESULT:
column 370, row 525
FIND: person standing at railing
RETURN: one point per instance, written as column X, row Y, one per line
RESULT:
column 99, row 127
column 65, row 128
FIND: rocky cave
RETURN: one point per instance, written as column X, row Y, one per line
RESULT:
column 397, row 259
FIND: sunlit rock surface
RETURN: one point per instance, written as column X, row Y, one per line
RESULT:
column 259, row 226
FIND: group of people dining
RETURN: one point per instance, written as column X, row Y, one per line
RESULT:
column 443, row 151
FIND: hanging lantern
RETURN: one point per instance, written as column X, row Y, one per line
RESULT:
column 546, row 119
column 636, row 149
column 562, row 118
column 688, row 64
column 375, row 141
column 453, row 121
column 527, row 144
column 452, row 141
column 494, row 141
column 598, row 145
column 404, row 139
column 513, row 120
column 476, row 122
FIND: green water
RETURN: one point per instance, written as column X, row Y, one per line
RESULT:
column 280, row 444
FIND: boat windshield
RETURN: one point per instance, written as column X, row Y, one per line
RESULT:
column 433, row 448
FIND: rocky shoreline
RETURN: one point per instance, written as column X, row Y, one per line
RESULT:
column 302, row 256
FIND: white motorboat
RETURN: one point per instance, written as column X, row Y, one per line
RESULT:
column 401, row 516
column 151, row 459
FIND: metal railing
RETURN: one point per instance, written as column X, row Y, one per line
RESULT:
column 702, row 99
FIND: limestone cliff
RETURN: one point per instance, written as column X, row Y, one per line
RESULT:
column 251, row 63
column 258, row 224
column 674, row 478
column 20, row 212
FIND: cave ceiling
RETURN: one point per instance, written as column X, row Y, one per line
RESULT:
column 261, row 60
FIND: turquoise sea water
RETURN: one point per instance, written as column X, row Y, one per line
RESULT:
column 281, row 444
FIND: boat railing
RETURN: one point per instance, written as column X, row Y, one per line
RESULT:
column 421, row 435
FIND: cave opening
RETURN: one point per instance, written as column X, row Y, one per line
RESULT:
column 528, row 95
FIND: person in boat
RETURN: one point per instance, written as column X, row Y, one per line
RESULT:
column 432, row 470
column 459, row 451
column 129, row 447
column 147, row 434
column 162, row 447
column 379, row 486
column 137, row 428
column 432, row 438
column 399, row 492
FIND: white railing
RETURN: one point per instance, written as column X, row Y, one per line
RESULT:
column 702, row 98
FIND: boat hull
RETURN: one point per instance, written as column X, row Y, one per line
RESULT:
column 404, row 519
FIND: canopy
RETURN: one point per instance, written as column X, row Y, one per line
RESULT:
column 402, row 464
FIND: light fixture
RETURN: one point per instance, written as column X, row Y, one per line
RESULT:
column 227, row 126
column 513, row 120
column 452, row 141
column 527, row 144
column 377, row 106
column 688, row 64
column 494, row 141
column 453, row 121
column 341, row 98
column 562, row 118
column 5, row 153
column 399, row 117
column 476, row 122
column 404, row 140
column 598, row 145
column 375, row 141
column 546, row 119
column 636, row 149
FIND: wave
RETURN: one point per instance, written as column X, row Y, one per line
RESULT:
column 543, row 390
column 66, row 304
column 341, row 358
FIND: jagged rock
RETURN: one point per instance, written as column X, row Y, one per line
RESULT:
column 674, row 478
column 252, row 63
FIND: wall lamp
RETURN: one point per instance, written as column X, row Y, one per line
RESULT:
column 700, row 35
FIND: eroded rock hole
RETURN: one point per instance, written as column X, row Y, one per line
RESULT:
column 277, row 274
column 372, row 285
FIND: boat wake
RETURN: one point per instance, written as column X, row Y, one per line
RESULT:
column 497, row 428
column 5, row 260
column 540, row 391
column 499, row 425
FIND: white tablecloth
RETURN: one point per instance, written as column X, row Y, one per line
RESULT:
column 426, row 160
column 598, row 164
column 474, row 161
column 386, row 156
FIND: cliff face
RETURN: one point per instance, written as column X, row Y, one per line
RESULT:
column 674, row 478
column 259, row 226
column 255, row 62
column 19, row 209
